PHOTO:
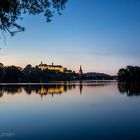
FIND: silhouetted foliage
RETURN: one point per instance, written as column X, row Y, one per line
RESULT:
column 95, row 76
column 12, row 10
column 29, row 74
column 12, row 74
column 129, row 74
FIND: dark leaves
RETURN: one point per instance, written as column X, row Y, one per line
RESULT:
column 11, row 10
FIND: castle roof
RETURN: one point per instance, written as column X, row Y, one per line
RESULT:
column 55, row 66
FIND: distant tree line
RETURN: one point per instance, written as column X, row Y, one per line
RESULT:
column 97, row 76
column 31, row 74
column 129, row 74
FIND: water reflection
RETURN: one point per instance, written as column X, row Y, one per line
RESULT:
column 49, row 88
column 87, row 110
column 131, row 89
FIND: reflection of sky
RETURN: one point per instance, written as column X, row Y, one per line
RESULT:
column 100, row 112
column 101, row 35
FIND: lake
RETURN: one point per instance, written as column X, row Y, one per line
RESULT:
column 81, row 110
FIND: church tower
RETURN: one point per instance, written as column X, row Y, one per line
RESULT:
column 80, row 71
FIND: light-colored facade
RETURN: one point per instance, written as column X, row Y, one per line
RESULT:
column 51, row 67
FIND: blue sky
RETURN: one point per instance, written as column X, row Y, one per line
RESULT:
column 100, row 35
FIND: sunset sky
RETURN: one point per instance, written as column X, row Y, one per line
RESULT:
column 100, row 35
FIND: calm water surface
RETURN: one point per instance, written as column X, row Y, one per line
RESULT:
column 70, row 111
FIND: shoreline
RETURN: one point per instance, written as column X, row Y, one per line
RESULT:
column 63, row 82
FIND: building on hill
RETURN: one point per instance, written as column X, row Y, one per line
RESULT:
column 51, row 67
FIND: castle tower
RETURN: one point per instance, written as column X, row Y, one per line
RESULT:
column 80, row 71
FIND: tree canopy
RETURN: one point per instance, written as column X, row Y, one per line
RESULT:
column 129, row 74
column 12, row 10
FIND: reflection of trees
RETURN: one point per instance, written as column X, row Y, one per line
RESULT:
column 50, row 88
column 10, row 89
column 129, row 88
column 38, row 89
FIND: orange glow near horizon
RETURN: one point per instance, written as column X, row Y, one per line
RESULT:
column 73, row 68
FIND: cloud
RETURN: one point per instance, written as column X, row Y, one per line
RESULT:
column 99, row 53
column 85, row 53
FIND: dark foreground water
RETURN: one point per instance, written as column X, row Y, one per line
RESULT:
column 70, row 111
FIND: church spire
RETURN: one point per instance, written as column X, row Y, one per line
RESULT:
column 80, row 71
